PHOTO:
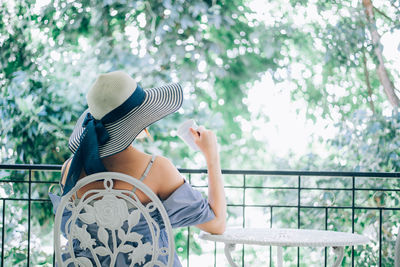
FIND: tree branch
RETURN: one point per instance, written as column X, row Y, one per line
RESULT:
column 393, row 5
column 153, row 21
column 383, row 14
column 397, row 10
column 381, row 70
column 368, row 83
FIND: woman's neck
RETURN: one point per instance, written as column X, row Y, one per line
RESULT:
column 125, row 155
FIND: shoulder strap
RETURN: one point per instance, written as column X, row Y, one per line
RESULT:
column 146, row 172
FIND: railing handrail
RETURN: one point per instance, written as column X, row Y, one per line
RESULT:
column 353, row 187
column 55, row 167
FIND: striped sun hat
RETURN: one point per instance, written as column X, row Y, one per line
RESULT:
column 119, row 109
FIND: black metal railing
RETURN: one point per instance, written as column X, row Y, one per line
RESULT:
column 362, row 202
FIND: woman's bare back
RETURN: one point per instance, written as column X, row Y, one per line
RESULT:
column 163, row 178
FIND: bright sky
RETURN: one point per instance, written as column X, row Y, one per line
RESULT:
column 288, row 131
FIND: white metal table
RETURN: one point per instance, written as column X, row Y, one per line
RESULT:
column 286, row 238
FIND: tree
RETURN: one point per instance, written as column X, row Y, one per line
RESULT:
column 333, row 51
column 214, row 49
column 381, row 69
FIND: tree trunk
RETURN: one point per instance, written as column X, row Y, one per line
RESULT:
column 376, row 41
column 368, row 83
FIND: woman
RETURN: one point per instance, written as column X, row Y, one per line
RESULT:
column 119, row 110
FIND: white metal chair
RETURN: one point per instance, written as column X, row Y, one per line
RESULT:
column 103, row 223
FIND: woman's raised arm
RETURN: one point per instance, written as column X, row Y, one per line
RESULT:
column 207, row 142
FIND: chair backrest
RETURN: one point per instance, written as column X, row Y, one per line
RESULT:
column 109, row 225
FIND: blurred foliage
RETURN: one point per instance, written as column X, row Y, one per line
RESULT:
column 368, row 143
column 51, row 55
column 52, row 51
column 339, row 50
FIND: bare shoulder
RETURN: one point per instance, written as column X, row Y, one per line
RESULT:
column 64, row 170
column 167, row 176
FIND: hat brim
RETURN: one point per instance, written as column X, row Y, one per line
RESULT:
column 158, row 103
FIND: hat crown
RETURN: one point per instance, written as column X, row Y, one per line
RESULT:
column 108, row 92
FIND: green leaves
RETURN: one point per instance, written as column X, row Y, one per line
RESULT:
column 26, row 105
column 369, row 143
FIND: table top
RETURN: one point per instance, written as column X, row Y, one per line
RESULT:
column 287, row 237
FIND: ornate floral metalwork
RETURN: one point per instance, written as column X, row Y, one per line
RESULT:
column 104, row 223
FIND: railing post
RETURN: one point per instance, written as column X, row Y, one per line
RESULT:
column 298, row 214
column 3, row 231
column 188, row 231
column 29, row 216
column 380, row 236
column 270, row 248
column 244, row 212
column 326, row 228
column 353, row 197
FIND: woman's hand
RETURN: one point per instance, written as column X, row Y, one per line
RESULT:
column 206, row 140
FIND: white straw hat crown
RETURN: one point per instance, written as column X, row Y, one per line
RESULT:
column 109, row 91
